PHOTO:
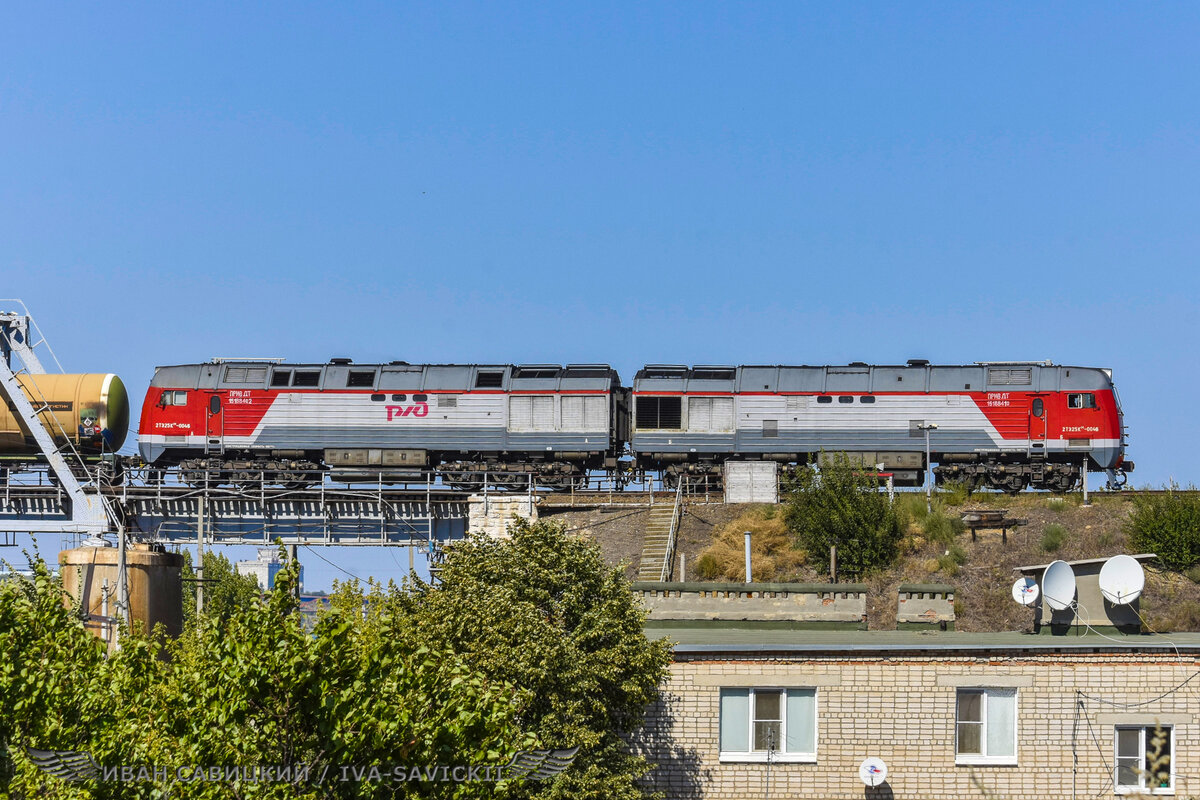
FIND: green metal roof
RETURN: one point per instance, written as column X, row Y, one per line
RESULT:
column 746, row 638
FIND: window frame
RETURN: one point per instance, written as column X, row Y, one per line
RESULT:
column 984, row 758
column 1145, row 731
column 750, row 756
column 1087, row 401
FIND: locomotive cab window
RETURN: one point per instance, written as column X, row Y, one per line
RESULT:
column 660, row 413
column 1081, row 400
column 306, row 379
column 1038, row 407
column 172, row 398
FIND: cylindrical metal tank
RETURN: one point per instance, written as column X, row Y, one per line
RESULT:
column 92, row 410
column 155, row 588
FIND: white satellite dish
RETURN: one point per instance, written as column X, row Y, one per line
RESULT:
column 873, row 771
column 1122, row 580
column 1058, row 585
column 1025, row 591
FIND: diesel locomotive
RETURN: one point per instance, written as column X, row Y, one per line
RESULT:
column 1005, row 426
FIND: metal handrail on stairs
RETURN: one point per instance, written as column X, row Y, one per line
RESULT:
column 676, row 516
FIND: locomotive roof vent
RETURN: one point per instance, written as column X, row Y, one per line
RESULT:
column 341, row 361
column 918, row 362
column 664, row 371
column 713, row 373
column 858, row 363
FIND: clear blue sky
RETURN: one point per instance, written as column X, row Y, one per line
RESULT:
column 688, row 182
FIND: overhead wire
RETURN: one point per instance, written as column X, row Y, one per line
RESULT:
column 330, row 563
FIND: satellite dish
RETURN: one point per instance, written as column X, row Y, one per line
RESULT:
column 1025, row 591
column 1058, row 585
column 1122, row 580
column 873, row 771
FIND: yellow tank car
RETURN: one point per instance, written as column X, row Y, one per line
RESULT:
column 91, row 410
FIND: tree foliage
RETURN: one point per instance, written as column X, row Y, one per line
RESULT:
column 542, row 611
column 530, row 643
column 225, row 591
column 841, row 505
column 1167, row 524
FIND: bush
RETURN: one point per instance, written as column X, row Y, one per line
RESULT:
column 954, row 557
column 942, row 528
column 840, row 505
column 773, row 551
column 1052, row 537
column 955, row 493
column 1167, row 524
column 1057, row 504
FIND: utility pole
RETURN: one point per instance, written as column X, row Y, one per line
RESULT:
column 200, row 556
column 927, row 427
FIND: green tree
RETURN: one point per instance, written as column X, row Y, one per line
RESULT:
column 1167, row 524
column 542, row 611
column 841, row 505
column 256, row 688
column 225, row 591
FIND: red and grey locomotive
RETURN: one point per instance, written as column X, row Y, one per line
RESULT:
column 1000, row 425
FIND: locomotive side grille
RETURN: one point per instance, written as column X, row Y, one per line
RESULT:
column 245, row 374
column 1010, row 377
column 660, row 413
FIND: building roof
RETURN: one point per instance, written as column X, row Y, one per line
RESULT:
column 1082, row 563
column 699, row 640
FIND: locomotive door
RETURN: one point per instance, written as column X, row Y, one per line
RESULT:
column 1037, row 422
column 214, row 427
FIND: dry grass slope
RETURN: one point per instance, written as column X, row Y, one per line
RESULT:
column 936, row 548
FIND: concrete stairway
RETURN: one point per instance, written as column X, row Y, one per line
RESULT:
column 657, row 538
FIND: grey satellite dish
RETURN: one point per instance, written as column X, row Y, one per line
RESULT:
column 1058, row 585
column 872, row 771
column 1122, row 580
column 1025, row 591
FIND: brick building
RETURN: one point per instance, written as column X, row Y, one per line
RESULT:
column 762, row 706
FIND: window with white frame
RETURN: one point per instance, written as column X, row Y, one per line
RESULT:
column 986, row 726
column 1143, row 759
column 775, row 724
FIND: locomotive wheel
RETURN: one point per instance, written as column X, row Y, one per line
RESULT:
column 512, row 481
column 468, row 482
column 1015, row 484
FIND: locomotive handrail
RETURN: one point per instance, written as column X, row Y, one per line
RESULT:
column 676, row 515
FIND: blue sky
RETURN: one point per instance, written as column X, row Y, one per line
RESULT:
column 631, row 183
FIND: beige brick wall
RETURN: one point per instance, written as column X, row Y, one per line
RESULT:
column 902, row 710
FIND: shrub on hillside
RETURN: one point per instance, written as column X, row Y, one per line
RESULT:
column 841, row 505
column 1167, row 524
column 1052, row 537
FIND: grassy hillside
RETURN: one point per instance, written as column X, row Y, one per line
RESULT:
column 935, row 549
